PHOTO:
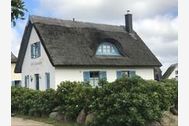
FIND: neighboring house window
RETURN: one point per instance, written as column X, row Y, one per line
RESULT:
column 47, row 76
column 93, row 77
column 17, row 83
column 121, row 74
column 107, row 49
column 176, row 74
column 35, row 50
column 27, row 81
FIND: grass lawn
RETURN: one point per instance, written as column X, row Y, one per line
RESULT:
column 49, row 121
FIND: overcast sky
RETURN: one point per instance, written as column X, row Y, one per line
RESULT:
column 156, row 21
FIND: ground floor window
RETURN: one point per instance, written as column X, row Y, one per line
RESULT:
column 27, row 81
column 121, row 74
column 16, row 83
column 93, row 77
column 47, row 76
column 37, row 81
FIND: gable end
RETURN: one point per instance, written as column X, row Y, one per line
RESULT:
column 24, row 45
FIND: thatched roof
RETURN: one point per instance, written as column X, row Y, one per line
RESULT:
column 169, row 71
column 13, row 58
column 74, row 43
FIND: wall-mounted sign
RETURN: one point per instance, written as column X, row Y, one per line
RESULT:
column 36, row 63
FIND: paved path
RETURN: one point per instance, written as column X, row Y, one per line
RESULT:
column 26, row 122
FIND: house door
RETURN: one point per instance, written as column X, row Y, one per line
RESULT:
column 37, row 81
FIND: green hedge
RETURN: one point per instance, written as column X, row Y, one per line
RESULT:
column 73, row 97
column 125, row 102
column 32, row 102
column 133, row 101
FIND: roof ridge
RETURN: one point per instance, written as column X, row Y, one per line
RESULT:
column 34, row 18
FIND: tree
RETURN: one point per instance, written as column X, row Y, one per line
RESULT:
column 17, row 10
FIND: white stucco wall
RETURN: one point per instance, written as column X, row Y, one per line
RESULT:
column 39, row 65
column 76, row 74
column 173, row 74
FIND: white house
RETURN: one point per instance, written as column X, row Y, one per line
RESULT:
column 171, row 72
column 15, row 77
column 56, row 50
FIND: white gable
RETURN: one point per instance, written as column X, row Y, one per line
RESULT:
column 40, row 65
column 174, row 74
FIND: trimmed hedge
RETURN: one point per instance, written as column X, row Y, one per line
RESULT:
column 125, row 102
column 133, row 102
column 32, row 102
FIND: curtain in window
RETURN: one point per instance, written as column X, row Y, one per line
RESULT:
column 121, row 73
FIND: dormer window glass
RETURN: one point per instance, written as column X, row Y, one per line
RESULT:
column 107, row 48
column 35, row 50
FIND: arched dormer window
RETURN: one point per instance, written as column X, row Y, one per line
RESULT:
column 107, row 48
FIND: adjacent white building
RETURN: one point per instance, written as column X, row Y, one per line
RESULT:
column 55, row 50
column 171, row 72
column 15, row 77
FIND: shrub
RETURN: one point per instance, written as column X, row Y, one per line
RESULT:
column 73, row 97
column 132, row 101
column 32, row 102
column 44, row 103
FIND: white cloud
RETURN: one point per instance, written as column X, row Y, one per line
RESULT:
column 108, row 10
column 160, row 35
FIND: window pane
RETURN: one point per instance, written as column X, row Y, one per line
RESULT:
column 124, row 74
column 104, row 49
column 33, row 50
column 108, row 49
column 112, row 50
column 94, row 74
column 99, row 50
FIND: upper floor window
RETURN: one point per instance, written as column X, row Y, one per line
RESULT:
column 107, row 49
column 35, row 50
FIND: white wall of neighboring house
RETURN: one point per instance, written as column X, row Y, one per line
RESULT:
column 40, row 65
column 76, row 74
column 14, row 76
column 174, row 74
